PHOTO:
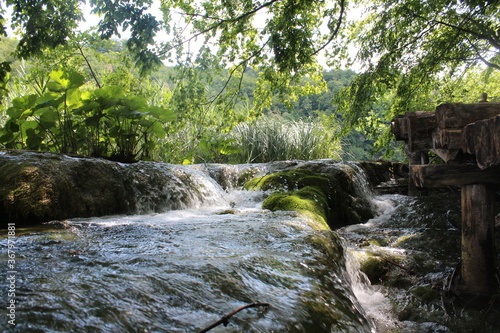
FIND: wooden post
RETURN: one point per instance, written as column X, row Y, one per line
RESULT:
column 478, row 243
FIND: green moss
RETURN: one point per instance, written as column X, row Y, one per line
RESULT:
column 286, row 180
column 245, row 176
column 327, row 197
column 27, row 192
column 308, row 201
column 426, row 293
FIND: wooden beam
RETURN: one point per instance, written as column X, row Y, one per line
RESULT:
column 399, row 127
column 457, row 115
column 439, row 175
column 482, row 139
column 447, row 138
column 421, row 124
column 446, row 155
column 478, row 241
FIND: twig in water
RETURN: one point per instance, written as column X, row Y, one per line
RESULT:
column 225, row 320
column 392, row 262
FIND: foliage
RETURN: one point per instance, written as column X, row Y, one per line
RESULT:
column 43, row 23
column 405, row 46
column 100, row 122
column 274, row 139
column 408, row 46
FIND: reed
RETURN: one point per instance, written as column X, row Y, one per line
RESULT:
column 273, row 138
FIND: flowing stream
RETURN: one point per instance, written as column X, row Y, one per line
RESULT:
column 182, row 270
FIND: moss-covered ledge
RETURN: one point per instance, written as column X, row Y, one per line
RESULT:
column 330, row 198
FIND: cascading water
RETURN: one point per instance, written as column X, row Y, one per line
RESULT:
column 198, row 249
column 181, row 270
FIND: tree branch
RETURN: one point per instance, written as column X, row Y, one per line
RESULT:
column 225, row 320
column 217, row 25
column 89, row 66
column 337, row 28
column 481, row 58
column 243, row 62
column 489, row 38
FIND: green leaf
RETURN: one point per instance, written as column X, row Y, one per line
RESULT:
column 13, row 127
column 20, row 105
column 73, row 99
column 64, row 80
column 162, row 114
column 135, row 103
column 48, row 116
column 49, row 99
column 158, row 130
column 110, row 94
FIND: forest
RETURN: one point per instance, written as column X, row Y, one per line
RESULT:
column 260, row 95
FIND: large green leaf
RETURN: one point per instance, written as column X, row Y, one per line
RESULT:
column 158, row 130
column 50, row 99
column 47, row 116
column 109, row 94
column 21, row 104
column 162, row 114
column 136, row 103
column 64, row 80
column 73, row 99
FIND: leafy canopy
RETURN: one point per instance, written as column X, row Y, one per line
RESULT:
column 405, row 46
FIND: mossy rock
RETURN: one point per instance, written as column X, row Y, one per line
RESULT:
column 375, row 268
column 426, row 293
column 285, row 180
column 330, row 196
column 309, row 201
column 43, row 187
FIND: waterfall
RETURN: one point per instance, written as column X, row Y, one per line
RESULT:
column 193, row 247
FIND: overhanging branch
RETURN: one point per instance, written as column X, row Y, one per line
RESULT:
column 220, row 23
column 337, row 28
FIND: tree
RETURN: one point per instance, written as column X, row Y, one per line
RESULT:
column 404, row 45
column 407, row 46
column 286, row 46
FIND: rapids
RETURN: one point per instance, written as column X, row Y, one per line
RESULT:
column 184, row 268
column 181, row 270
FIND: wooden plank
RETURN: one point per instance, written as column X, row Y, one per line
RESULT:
column 399, row 127
column 478, row 241
column 482, row 139
column 457, row 115
column 439, row 175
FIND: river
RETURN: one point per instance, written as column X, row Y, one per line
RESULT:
column 183, row 270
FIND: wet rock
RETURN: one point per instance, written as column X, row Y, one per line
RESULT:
column 329, row 193
column 40, row 187
column 37, row 187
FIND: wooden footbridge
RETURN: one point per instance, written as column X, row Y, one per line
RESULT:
column 467, row 138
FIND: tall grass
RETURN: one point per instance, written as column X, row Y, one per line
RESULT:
column 273, row 138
